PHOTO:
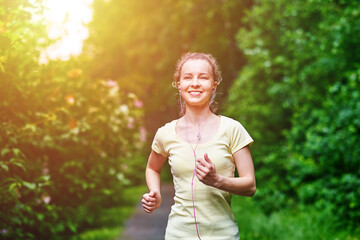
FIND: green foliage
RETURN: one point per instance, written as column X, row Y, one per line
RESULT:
column 327, row 141
column 110, row 221
column 299, row 97
column 100, row 234
column 69, row 143
column 296, row 224
column 72, row 133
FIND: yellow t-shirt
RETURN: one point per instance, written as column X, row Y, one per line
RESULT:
column 214, row 215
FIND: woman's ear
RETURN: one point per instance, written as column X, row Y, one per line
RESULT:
column 215, row 86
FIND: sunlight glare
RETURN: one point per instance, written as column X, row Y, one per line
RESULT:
column 66, row 21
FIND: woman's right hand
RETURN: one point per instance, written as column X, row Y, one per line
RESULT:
column 151, row 201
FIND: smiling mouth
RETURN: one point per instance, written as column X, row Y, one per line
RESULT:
column 194, row 93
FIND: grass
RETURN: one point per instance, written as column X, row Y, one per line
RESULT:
column 284, row 225
column 112, row 220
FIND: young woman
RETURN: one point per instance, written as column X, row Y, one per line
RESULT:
column 202, row 149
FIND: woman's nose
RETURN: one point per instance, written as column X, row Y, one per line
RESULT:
column 195, row 81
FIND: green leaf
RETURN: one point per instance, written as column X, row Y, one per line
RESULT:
column 72, row 227
column 29, row 185
column 40, row 216
column 4, row 166
column 19, row 164
column 4, row 151
column 18, row 152
column 31, row 127
column 14, row 185
column 107, row 192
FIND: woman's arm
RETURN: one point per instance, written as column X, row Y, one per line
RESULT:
column 152, row 200
column 244, row 185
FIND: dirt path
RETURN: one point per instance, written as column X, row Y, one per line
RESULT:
column 144, row 226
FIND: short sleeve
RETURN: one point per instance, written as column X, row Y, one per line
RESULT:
column 239, row 137
column 158, row 142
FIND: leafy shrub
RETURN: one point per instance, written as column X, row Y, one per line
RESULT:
column 325, row 161
column 299, row 97
column 69, row 144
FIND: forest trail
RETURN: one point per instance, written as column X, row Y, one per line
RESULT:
column 144, row 226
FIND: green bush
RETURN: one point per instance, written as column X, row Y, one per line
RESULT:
column 69, row 143
column 299, row 99
column 325, row 161
column 295, row 224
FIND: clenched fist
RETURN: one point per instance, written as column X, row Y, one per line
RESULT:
column 151, row 201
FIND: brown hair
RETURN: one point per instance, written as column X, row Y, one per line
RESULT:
column 214, row 67
column 195, row 56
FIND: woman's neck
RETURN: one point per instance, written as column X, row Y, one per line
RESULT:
column 196, row 116
column 198, row 126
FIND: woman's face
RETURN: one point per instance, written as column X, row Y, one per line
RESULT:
column 196, row 82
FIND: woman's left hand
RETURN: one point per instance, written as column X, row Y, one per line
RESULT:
column 206, row 171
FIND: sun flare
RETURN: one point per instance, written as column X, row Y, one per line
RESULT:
column 66, row 21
